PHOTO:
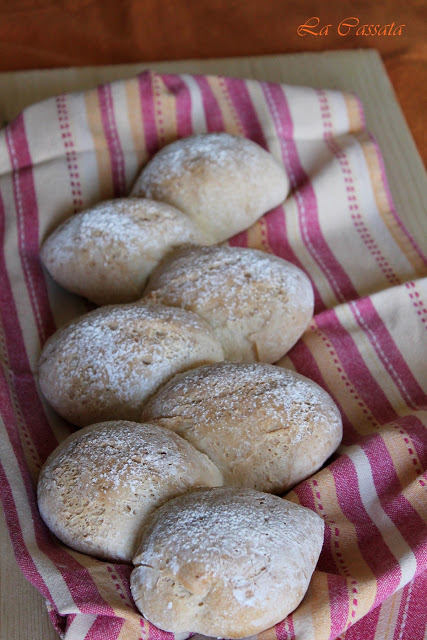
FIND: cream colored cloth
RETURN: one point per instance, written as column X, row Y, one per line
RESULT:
column 366, row 344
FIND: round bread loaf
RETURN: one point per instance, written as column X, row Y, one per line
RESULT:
column 263, row 426
column 107, row 252
column 102, row 483
column 223, row 182
column 225, row 562
column 258, row 304
column 105, row 364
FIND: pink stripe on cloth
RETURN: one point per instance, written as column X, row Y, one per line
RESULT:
column 239, row 240
column 411, row 618
column 285, row 630
column 369, row 539
column 157, row 634
column 243, row 106
column 304, row 491
column 70, row 151
column 330, row 562
column 213, row 113
column 277, row 234
column 22, row 554
column 355, row 209
column 105, row 628
column 366, row 627
column 390, row 202
column 416, row 430
column 78, row 579
column 354, row 366
column 275, row 219
column 306, row 198
column 26, row 208
column 396, row 506
column 181, row 93
column 370, row 321
column 146, row 92
column 305, row 363
column 20, row 370
column 338, row 602
column 113, row 140
column 417, row 302
column 59, row 622
column 327, row 562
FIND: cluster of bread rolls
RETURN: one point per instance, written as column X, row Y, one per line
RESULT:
column 173, row 385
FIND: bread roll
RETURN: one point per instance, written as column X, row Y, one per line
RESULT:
column 225, row 562
column 102, row 483
column 263, row 426
column 223, row 182
column 258, row 304
column 105, row 364
column 107, row 252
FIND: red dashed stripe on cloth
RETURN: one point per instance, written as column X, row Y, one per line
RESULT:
column 70, row 152
column 306, row 200
column 353, row 205
column 213, row 113
column 9, row 379
column 179, row 89
column 27, row 221
column 158, row 106
column 343, row 568
column 263, row 228
column 113, row 140
column 377, row 554
column 412, row 454
column 333, row 528
column 356, row 375
column 417, row 302
column 105, row 628
column 22, row 553
column 388, row 352
column 145, row 85
column 272, row 226
column 238, row 93
column 340, row 367
column 19, row 377
column 117, row 583
column 392, row 208
column 411, row 619
column 285, row 629
column 223, row 84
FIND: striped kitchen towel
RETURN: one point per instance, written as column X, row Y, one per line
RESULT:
column 366, row 344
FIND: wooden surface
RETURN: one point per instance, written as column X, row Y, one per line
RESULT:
column 22, row 611
column 59, row 33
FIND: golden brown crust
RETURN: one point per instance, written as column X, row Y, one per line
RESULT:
column 265, row 427
column 106, row 253
column 105, row 364
column 224, row 183
column 225, row 562
column 258, row 304
column 101, row 484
